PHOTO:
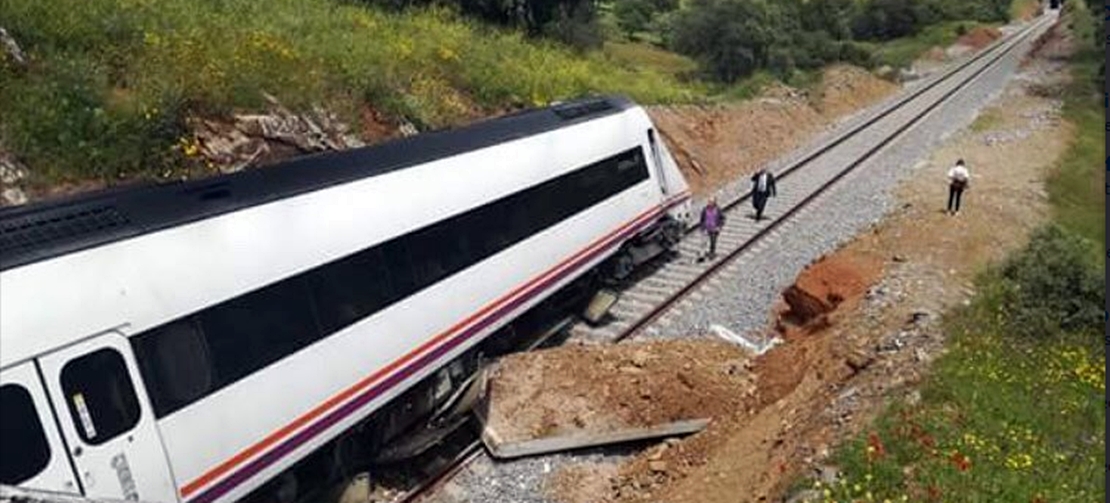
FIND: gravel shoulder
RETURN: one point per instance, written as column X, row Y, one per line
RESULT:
column 831, row 376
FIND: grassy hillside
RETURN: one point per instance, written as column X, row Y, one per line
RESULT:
column 110, row 85
column 111, row 88
column 901, row 52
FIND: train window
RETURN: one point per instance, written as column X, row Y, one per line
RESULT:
column 175, row 364
column 247, row 333
column 250, row 332
column 100, row 396
column 25, row 451
column 396, row 257
column 351, row 290
column 427, row 249
column 518, row 222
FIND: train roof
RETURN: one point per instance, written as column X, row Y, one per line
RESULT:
column 48, row 229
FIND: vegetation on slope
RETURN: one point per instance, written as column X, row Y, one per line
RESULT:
column 110, row 86
column 111, row 89
column 1014, row 410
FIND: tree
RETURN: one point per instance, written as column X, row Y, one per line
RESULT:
column 633, row 15
column 888, row 19
column 833, row 17
column 730, row 38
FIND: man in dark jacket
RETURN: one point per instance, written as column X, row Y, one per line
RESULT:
column 712, row 219
column 763, row 186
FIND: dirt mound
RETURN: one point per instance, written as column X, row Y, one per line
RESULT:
column 815, row 390
column 607, row 388
column 724, row 454
column 979, row 37
column 828, row 282
column 936, row 53
column 846, row 88
column 715, row 145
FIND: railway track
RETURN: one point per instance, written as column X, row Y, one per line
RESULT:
column 648, row 297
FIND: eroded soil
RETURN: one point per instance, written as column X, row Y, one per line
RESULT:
column 863, row 326
column 714, row 145
column 580, row 390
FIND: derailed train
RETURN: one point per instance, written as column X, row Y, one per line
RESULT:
column 198, row 341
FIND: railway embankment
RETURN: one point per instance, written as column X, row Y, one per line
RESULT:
column 717, row 144
column 885, row 319
column 867, row 325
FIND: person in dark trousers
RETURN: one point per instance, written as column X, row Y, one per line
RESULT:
column 958, row 177
column 763, row 187
column 712, row 219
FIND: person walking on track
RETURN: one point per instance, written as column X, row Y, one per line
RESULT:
column 763, row 187
column 712, row 219
column 958, row 177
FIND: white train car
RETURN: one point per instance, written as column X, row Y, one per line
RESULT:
column 190, row 341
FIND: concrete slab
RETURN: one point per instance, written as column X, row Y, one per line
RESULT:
column 502, row 449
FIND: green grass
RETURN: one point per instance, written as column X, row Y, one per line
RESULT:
column 1021, row 7
column 986, row 121
column 1001, row 420
column 111, row 84
column 901, row 52
column 1076, row 185
column 643, row 56
column 1005, row 417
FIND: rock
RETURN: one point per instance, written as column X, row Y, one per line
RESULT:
column 806, row 496
column 908, row 74
column 12, row 49
column 885, row 72
column 919, row 355
column 805, row 305
column 828, row 474
column 250, row 137
column 11, row 172
column 408, row 129
column 913, row 398
column 898, row 258
column 658, row 466
column 13, row 197
column 859, row 360
column 920, row 317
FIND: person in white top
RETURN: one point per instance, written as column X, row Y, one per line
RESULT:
column 958, row 177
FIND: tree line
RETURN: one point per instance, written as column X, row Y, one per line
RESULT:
column 731, row 39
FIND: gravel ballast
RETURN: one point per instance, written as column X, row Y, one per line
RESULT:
column 742, row 301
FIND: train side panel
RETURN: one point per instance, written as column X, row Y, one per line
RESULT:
column 230, row 441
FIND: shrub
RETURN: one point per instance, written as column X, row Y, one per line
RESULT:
column 1052, row 285
column 730, row 38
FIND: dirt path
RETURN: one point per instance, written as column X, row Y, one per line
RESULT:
column 884, row 294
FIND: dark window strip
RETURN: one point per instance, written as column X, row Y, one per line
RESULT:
column 189, row 358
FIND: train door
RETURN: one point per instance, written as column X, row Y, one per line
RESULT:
column 107, row 422
column 657, row 161
column 32, row 454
